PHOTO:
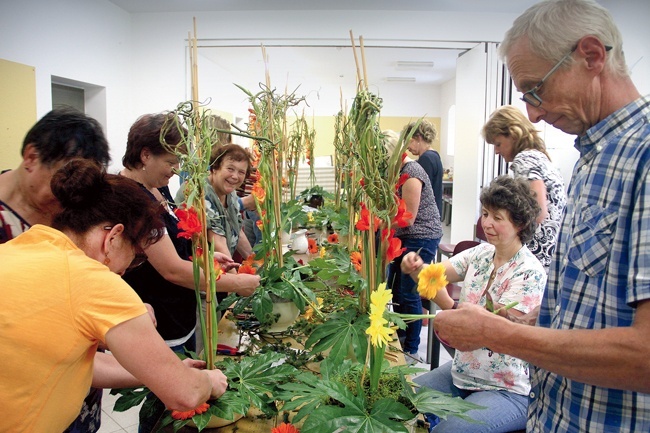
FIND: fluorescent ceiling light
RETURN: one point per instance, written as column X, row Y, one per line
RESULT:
column 402, row 79
column 414, row 64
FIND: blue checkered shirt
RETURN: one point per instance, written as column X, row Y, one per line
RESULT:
column 601, row 269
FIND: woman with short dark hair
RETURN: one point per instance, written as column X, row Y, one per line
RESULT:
column 494, row 275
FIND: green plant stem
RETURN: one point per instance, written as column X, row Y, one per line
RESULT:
column 506, row 307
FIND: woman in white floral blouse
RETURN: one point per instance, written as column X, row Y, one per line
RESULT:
column 494, row 275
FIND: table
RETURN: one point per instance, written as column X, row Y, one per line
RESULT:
column 253, row 422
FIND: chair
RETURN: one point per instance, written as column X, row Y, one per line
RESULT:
column 433, row 344
column 447, row 249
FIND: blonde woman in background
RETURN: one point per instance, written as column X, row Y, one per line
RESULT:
column 420, row 146
column 515, row 138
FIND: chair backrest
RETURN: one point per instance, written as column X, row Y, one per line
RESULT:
column 464, row 245
column 479, row 233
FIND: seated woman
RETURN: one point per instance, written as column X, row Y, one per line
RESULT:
column 494, row 275
column 63, row 297
column 229, row 169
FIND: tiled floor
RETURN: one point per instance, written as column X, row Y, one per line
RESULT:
column 120, row 422
column 117, row 421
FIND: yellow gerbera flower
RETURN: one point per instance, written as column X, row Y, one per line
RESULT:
column 431, row 280
column 376, row 312
column 379, row 334
column 310, row 217
column 323, row 252
column 381, row 296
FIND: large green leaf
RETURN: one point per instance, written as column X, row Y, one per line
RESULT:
column 427, row 400
column 256, row 378
column 353, row 417
column 340, row 333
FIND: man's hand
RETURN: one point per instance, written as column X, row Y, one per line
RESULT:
column 466, row 328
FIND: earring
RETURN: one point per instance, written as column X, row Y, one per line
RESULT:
column 144, row 168
column 107, row 261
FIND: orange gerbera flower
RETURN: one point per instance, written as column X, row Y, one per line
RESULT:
column 258, row 192
column 431, row 280
column 333, row 238
column 313, row 246
column 183, row 415
column 403, row 216
column 285, row 428
column 190, row 413
column 355, row 258
column 246, row 269
column 188, row 223
column 202, row 408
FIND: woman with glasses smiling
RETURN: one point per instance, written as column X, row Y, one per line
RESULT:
column 63, row 297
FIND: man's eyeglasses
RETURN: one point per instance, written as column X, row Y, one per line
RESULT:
column 140, row 256
column 531, row 97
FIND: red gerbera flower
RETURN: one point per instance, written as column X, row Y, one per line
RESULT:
column 394, row 247
column 402, row 180
column 188, row 223
column 313, row 246
column 333, row 238
column 364, row 221
column 403, row 216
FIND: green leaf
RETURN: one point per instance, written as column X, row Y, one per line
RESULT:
column 340, row 333
column 256, row 378
column 427, row 400
column 130, row 397
column 353, row 417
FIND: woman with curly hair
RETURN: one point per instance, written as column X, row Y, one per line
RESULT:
column 495, row 274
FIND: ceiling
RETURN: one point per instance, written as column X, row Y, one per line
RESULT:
column 303, row 62
column 498, row 6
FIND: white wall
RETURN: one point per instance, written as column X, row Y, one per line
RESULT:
column 76, row 39
column 447, row 99
column 141, row 58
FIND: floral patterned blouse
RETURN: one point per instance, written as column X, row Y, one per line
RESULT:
column 521, row 279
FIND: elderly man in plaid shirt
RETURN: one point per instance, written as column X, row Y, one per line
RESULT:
column 590, row 346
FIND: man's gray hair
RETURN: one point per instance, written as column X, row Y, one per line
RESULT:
column 553, row 27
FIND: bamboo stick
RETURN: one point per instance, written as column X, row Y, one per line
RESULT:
column 356, row 60
column 363, row 63
column 277, row 179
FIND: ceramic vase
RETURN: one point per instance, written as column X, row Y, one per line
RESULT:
column 299, row 242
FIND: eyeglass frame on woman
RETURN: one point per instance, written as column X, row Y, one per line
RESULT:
column 531, row 97
column 139, row 258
